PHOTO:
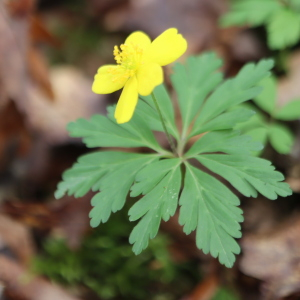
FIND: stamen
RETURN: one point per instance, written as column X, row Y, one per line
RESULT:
column 128, row 57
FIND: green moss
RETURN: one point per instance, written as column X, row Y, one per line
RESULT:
column 106, row 265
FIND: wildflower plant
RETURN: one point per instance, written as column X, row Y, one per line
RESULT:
column 281, row 18
column 268, row 126
column 205, row 145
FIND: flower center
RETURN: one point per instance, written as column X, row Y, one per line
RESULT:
column 128, row 58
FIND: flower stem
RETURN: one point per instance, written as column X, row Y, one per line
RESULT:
column 170, row 140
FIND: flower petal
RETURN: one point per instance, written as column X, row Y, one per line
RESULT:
column 140, row 39
column 127, row 102
column 149, row 76
column 167, row 47
column 109, row 79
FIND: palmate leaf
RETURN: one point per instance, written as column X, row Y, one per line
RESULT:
column 227, row 120
column 85, row 174
column 199, row 71
column 115, row 187
column 282, row 19
column 283, row 29
column 259, row 119
column 147, row 110
column 111, row 172
column 266, row 100
column 261, row 129
column 247, row 174
column 229, row 94
column 207, row 106
column 160, row 182
column 258, row 134
column 281, row 138
column 101, row 131
column 230, row 142
column 211, row 208
column 252, row 12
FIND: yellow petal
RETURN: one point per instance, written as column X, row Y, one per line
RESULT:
column 109, row 79
column 149, row 76
column 167, row 47
column 140, row 39
column 127, row 102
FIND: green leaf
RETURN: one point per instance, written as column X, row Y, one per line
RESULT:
column 295, row 4
column 210, row 207
column 138, row 127
column 227, row 120
column 160, row 183
column 233, row 92
column 86, row 173
column 230, row 142
column 257, row 120
column 281, row 138
column 194, row 82
column 253, row 12
column 259, row 134
column 247, row 174
column 267, row 98
column 101, row 131
column 283, row 29
column 79, row 179
column 149, row 114
column 115, row 185
column 291, row 111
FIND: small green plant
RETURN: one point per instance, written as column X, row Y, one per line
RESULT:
column 165, row 179
column 270, row 129
column 105, row 264
column 281, row 18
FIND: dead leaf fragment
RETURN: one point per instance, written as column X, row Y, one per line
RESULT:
column 17, row 237
column 13, row 47
column 73, row 99
column 19, row 283
column 275, row 259
column 67, row 218
column 196, row 20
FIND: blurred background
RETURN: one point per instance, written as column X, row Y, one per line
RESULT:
column 49, row 53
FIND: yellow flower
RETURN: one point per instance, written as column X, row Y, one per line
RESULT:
column 138, row 69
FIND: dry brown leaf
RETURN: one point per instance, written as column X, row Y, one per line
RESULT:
column 20, row 8
column 40, row 34
column 184, row 247
column 72, row 216
column 67, row 218
column 14, row 138
column 37, row 64
column 73, row 99
column 38, row 69
column 21, row 285
column 275, row 259
column 17, row 237
column 205, row 290
column 34, row 215
column 293, row 178
column 100, row 7
column 195, row 19
column 13, row 47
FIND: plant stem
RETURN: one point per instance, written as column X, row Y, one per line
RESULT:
column 170, row 140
